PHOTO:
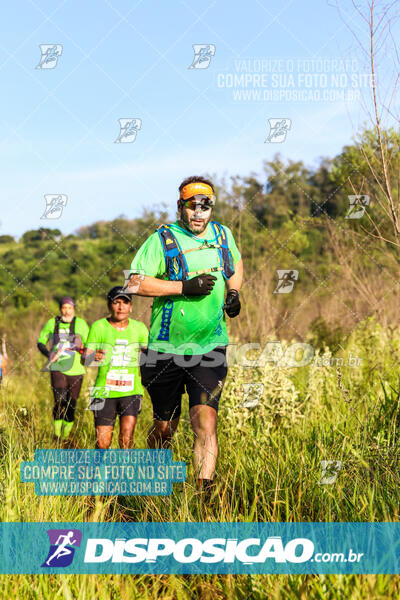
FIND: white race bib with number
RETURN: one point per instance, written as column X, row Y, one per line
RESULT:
column 119, row 382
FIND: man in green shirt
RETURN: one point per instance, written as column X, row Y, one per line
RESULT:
column 187, row 266
column 113, row 344
column 67, row 334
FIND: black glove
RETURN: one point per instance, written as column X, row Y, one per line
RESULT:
column 198, row 286
column 232, row 303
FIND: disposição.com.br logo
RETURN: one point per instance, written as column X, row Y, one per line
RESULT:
column 247, row 551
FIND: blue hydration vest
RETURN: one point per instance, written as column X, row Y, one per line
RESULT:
column 177, row 268
column 175, row 261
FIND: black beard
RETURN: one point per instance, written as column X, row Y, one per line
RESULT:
column 187, row 223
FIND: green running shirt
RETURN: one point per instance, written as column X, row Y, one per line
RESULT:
column 197, row 323
column 118, row 373
column 69, row 361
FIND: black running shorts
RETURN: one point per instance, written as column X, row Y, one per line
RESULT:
column 166, row 375
column 105, row 410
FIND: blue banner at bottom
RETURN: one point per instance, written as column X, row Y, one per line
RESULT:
column 200, row 548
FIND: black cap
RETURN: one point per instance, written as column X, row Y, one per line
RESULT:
column 118, row 292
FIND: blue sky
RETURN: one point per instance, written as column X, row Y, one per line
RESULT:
column 131, row 59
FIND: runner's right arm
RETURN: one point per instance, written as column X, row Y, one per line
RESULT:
column 88, row 356
column 148, row 269
column 43, row 350
column 151, row 286
column 44, row 337
column 201, row 285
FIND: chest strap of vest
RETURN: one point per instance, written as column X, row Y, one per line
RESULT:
column 201, row 271
column 205, row 246
column 175, row 261
column 225, row 255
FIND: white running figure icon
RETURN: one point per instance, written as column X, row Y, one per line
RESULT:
column 62, row 550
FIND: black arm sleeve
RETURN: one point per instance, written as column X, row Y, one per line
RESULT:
column 44, row 350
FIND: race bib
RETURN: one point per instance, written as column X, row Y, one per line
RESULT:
column 119, row 382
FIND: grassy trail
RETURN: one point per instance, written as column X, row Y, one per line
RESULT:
column 269, row 469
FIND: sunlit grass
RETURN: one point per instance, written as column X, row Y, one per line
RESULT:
column 268, row 470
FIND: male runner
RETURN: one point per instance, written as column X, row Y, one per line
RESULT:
column 114, row 344
column 175, row 265
column 3, row 358
column 67, row 334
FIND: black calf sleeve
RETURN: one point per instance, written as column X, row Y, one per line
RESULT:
column 60, row 402
column 70, row 406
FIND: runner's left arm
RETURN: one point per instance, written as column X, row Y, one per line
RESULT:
column 235, row 282
column 44, row 337
column 232, row 304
